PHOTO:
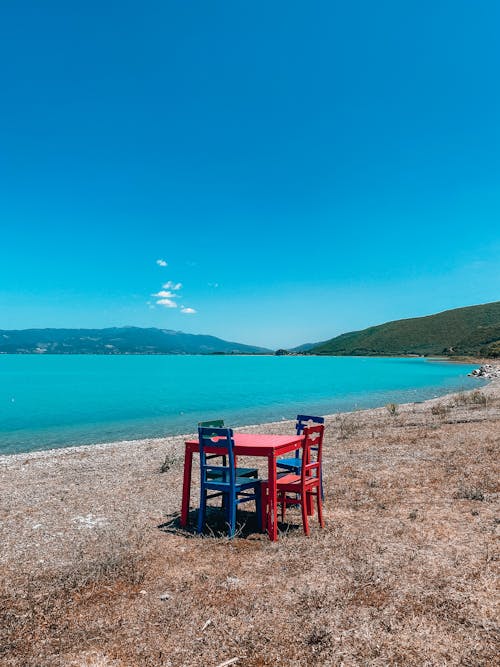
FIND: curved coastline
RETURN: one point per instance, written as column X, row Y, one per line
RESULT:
column 283, row 426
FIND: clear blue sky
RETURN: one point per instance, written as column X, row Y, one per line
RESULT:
column 303, row 168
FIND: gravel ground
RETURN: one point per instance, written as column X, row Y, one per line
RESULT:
column 404, row 572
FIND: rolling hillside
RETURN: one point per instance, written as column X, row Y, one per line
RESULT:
column 123, row 340
column 474, row 330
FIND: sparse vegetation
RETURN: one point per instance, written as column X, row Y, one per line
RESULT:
column 402, row 574
column 392, row 409
column 469, row 493
column 441, row 410
column 168, row 462
column 347, row 426
column 477, row 397
column 52, row 608
column 471, row 398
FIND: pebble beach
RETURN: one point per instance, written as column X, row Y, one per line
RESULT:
column 418, row 479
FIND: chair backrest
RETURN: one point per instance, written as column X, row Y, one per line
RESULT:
column 217, row 423
column 305, row 420
column 215, row 437
column 312, row 451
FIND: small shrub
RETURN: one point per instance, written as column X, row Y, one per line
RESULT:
column 440, row 410
column 477, row 397
column 392, row 409
column 347, row 427
column 168, row 462
column 319, row 639
column 461, row 398
column 469, row 493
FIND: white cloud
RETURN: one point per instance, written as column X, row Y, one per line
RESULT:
column 213, row 284
column 163, row 294
column 161, row 262
column 165, row 297
column 168, row 303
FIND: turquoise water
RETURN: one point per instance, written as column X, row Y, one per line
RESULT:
column 54, row 401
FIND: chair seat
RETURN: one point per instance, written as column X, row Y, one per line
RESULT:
column 291, row 482
column 240, row 472
column 290, row 464
column 223, row 480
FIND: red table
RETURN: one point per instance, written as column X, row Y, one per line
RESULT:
column 246, row 444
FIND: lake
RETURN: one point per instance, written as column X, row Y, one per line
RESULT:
column 53, row 401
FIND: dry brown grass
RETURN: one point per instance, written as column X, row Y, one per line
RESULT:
column 403, row 574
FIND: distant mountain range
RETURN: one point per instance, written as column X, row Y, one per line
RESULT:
column 474, row 330
column 122, row 340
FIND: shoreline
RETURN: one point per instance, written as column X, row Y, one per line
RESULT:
column 492, row 382
column 100, row 445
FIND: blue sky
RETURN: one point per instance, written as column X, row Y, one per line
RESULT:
column 304, row 169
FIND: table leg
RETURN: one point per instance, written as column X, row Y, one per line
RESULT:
column 272, row 520
column 186, row 486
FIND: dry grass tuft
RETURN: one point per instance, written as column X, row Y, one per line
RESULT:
column 347, row 426
column 49, row 608
column 471, row 398
column 392, row 409
column 441, row 410
column 469, row 493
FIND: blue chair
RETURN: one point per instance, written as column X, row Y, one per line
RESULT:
column 233, row 488
column 240, row 472
column 294, row 464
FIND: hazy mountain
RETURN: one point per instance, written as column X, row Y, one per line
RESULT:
column 473, row 330
column 117, row 340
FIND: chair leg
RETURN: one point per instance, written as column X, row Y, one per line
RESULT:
column 202, row 511
column 321, row 483
column 223, row 503
column 258, row 507
column 320, row 508
column 303, row 505
column 232, row 516
column 309, row 503
column 263, row 507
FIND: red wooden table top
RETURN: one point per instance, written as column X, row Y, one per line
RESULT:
column 257, row 444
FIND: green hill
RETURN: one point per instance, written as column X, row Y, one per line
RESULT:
column 474, row 330
column 117, row 340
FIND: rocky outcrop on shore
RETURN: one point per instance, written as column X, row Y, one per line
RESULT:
column 488, row 371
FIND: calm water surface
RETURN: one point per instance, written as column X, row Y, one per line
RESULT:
column 54, row 401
